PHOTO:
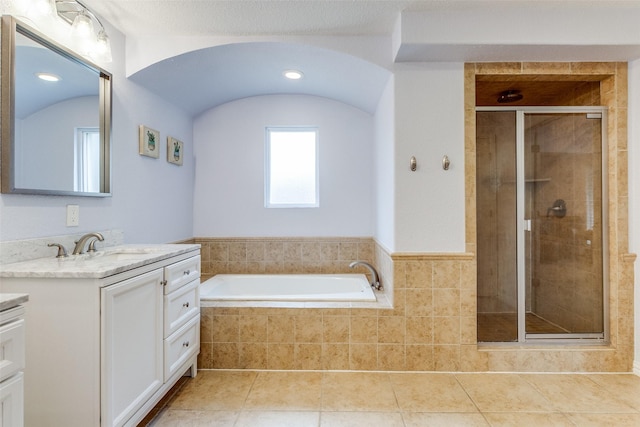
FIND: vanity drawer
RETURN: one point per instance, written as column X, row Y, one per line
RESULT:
column 180, row 306
column 12, row 345
column 181, row 273
column 181, row 345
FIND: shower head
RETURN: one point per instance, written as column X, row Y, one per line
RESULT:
column 511, row 95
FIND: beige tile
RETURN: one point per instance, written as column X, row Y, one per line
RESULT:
column 205, row 357
column 281, row 329
column 625, row 387
column 308, row 329
column 335, row 329
column 503, row 393
column 605, row 420
column 224, row 329
column 419, row 330
column 430, row 393
column 252, row 356
column 182, row 418
column 288, row 391
column 509, row 419
column 335, row 356
column 225, row 355
column 281, row 356
column 419, row 302
column 253, row 328
column 363, row 357
column 214, row 390
column 446, row 274
column 391, row 330
column 307, row 356
column 364, row 329
column 348, row 251
column 361, row 419
column 420, row 358
column 446, row 302
column 391, row 357
column 357, row 391
column 576, row 393
column 417, row 419
column 446, row 357
column 278, row 419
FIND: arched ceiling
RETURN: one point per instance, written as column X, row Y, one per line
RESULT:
column 203, row 79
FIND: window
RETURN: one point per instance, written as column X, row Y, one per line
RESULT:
column 291, row 170
column 87, row 160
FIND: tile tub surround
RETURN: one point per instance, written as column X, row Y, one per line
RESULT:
column 432, row 327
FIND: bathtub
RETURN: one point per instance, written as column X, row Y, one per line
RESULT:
column 287, row 287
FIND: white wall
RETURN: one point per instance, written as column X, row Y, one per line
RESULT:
column 384, row 168
column 429, row 119
column 229, row 184
column 634, row 191
column 152, row 200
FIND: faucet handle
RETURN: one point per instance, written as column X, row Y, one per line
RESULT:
column 62, row 252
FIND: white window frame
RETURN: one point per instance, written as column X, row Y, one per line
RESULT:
column 267, row 168
column 86, row 177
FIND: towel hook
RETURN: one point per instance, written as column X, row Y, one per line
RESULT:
column 446, row 163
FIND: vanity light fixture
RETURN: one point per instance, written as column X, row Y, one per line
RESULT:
column 82, row 20
column 293, row 74
column 48, row 77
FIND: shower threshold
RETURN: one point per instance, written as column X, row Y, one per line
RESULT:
column 503, row 327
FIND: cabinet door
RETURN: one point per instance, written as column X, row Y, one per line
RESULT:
column 132, row 332
column 12, row 401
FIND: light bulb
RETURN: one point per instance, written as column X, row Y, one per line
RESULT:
column 82, row 26
column 103, row 47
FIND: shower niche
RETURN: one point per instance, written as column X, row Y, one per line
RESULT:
column 541, row 217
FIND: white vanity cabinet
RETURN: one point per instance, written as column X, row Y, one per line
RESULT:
column 97, row 347
column 12, row 364
column 131, row 336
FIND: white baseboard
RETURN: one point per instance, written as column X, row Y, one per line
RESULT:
column 636, row 367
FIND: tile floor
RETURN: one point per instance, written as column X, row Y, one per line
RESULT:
column 389, row 399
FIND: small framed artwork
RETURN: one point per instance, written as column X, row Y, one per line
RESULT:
column 149, row 142
column 175, row 151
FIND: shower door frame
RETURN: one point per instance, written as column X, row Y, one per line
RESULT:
column 523, row 226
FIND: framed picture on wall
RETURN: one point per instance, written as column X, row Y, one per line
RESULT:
column 149, row 141
column 175, row 151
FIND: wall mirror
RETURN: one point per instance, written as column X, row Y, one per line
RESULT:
column 55, row 115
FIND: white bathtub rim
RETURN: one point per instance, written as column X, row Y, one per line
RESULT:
column 361, row 291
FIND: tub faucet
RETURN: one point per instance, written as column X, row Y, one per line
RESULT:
column 375, row 281
column 79, row 248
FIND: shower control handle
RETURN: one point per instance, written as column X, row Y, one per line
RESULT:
column 559, row 209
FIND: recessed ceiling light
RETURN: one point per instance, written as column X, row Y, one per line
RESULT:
column 293, row 74
column 48, row 77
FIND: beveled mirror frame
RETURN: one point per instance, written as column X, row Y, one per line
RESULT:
column 9, row 27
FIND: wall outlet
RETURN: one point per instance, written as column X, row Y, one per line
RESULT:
column 73, row 215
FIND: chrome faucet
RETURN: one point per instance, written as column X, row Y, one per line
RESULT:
column 81, row 241
column 375, row 281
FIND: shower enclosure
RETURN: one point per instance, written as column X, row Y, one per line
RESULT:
column 541, row 224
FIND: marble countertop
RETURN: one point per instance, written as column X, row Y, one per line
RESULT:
column 104, row 263
column 8, row 301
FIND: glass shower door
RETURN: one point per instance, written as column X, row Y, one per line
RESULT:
column 561, row 242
